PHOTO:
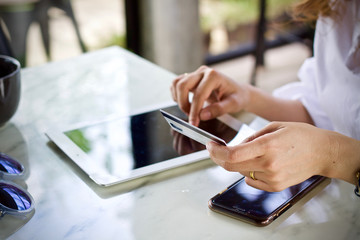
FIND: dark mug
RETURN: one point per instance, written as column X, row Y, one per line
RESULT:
column 9, row 87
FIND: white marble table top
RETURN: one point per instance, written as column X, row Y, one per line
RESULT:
column 171, row 205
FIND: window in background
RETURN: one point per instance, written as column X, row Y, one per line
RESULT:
column 101, row 24
column 231, row 25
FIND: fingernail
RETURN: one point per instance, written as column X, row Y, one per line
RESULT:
column 208, row 146
column 193, row 122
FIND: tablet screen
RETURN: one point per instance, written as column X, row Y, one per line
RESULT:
column 119, row 146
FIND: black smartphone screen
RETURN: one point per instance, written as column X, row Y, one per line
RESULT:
column 256, row 206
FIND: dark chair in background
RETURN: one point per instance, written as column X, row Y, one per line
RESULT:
column 18, row 15
column 42, row 17
column 5, row 48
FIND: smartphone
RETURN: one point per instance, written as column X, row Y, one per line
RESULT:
column 258, row 207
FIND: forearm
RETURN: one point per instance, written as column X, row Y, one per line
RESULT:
column 275, row 109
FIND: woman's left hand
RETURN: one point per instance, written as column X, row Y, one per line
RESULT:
column 280, row 155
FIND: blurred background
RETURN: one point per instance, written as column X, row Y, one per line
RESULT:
column 249, row 40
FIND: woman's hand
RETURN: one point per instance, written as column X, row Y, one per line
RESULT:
column 207, row 85
column 284, row 154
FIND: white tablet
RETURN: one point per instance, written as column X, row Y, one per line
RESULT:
column 125, row 148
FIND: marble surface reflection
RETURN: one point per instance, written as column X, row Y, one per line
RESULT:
column 170, row 205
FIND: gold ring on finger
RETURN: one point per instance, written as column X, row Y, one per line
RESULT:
column 252, row 175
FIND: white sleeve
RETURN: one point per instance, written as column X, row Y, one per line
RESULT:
column 305, row 91
column 352, row 60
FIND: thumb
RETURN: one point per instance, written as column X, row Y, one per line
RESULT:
column 217, row 109
column 270, row 128
column 210, row 112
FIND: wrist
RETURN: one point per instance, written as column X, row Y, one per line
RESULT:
column 343, row 158
column 252, row 94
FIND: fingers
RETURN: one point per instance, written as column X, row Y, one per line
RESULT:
column 207, row 85
column 259, row 184
column 270, row 128
column 270, row 154
column 173, row 86
column 248, row 157
column 180, row 89
column 237, row 157
column 258, row 181
column 205, row 90
column 261, row 181
column 203, row 83
column 217, row 109
column 267, row 185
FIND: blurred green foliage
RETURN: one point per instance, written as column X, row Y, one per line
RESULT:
column 231, row 13
column 115, row 40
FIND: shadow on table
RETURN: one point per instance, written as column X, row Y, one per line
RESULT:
column 9, row 224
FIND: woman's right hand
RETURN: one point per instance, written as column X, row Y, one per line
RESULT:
column 222, row 94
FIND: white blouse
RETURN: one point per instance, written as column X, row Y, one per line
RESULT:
column 329, row 84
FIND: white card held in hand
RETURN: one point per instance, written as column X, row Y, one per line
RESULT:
column 190, row 131
column 202, row 136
